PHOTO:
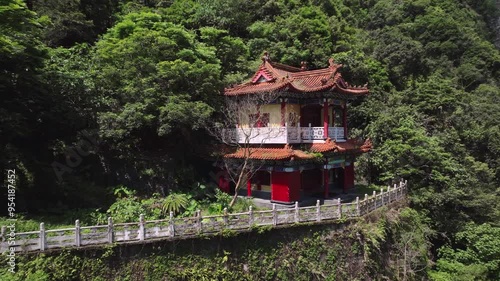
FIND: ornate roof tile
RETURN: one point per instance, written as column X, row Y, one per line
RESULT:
column 259, row 153
column 283, row 77
column 348, row 146
column 288, row 153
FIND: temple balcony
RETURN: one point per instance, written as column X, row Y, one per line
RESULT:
column 284, row 135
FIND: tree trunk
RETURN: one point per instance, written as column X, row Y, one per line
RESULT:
column 238, row 184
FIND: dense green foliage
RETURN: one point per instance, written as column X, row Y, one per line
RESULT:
column 101, row 94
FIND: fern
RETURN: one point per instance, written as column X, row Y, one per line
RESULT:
column 175, row 202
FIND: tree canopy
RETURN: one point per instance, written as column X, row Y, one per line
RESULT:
column 100, row 94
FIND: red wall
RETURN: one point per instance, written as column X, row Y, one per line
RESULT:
column 285, row 186
column 279, row 186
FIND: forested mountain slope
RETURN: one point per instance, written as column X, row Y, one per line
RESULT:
column 495, row 23
column 97, row 94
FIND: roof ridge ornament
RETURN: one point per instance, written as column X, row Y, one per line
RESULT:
column 303, row 65
column 331, row 62
column 266, row 57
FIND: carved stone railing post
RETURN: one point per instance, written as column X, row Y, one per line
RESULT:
column 296, row 214
column 382, row 196
column 225, row 218
column 111, row 231
column 275, row 215
column 318, row 211
column 339, row 207
column 250, row 216
column 78, row 240
column 142, row 231
column 365, row 204
column 171, row 224
column 374, row 200
column 199, row 219
column 42, row 237
column 357, row 206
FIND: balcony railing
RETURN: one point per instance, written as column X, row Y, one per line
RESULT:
column 336, row 133
column 282, row 135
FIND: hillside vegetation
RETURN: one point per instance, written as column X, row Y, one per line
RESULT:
column 113, row 96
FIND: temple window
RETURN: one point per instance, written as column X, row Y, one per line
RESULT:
column 259, row 120
column 253, row 120
column 264, row 120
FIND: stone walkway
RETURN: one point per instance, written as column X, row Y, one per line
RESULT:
column 309, row 200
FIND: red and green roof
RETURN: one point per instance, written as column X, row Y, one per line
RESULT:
column 350, row 146
column 271, row 77
column 287, row 153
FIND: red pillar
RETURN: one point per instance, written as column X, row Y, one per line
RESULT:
column 349, row 177
column 325, row 119
column 223, row 184
column 279, row 186
column 249, row 186
column 344, row 119
column 283, row 113
column 326, row 180
column 333, row 117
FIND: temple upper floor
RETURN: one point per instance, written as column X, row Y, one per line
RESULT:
column 297, row 105
column 291, row 121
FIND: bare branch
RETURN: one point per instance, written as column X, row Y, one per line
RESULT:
column 243, row 126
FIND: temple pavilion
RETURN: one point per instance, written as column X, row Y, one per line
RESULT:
column 303, row 148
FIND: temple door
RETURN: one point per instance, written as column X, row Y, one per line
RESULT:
column 338, row 178
column 311, row 114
